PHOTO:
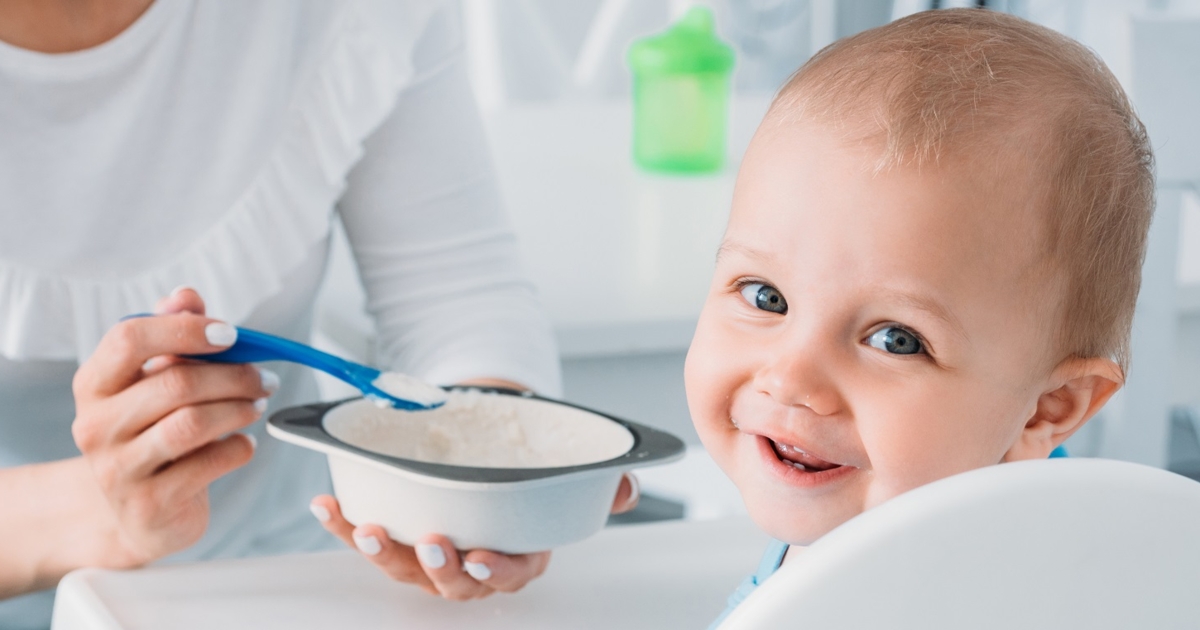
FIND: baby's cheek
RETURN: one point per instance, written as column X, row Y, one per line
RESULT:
column 917, row 436
column 898, row 472
column 695, row 386
column 707, row 382
column 884, row 486
column 900, row 460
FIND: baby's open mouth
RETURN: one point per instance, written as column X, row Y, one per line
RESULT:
column 800, row 460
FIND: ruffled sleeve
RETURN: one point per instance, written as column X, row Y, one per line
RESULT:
column 247, row 255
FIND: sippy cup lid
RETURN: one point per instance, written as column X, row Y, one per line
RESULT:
column 689, row 45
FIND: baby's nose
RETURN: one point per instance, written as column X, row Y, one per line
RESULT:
column 796, row 380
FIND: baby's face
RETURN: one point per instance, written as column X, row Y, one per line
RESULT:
column 867, row 333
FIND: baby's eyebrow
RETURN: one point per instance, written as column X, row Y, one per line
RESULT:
column 745, row 250
column 928, row 305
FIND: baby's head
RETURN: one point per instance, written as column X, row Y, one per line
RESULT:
column 931, row 266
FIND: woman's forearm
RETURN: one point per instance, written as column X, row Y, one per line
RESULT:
column 54, row 519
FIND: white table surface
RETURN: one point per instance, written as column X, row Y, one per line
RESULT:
column 664, row 575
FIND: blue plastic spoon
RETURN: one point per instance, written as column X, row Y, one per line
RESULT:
column 253, row 346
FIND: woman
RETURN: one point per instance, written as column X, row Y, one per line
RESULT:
column 147, row 146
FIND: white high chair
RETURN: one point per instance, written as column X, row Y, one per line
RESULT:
column 1061, row 543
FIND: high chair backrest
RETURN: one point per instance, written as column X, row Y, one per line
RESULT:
column 1060, row 543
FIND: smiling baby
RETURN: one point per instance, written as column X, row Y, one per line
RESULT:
column 931, row 266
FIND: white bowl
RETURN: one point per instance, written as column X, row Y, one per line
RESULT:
column 397, row 475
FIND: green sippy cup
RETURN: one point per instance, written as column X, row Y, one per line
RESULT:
column 681, row 96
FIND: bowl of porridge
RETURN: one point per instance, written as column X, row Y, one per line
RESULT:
column 490, row 469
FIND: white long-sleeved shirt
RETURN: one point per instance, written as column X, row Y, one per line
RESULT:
column 212, row 144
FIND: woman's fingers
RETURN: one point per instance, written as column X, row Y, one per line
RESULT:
column 182, row 385
column 506, row 574
column 117, row 362
column 191, row 474
column 461, row 579
column 628, row 493
column 183, row 299
column 327, row 512
column 165, row 389
column 445, row 569
column 397, row 561
column 433, row 564
column 183, row 431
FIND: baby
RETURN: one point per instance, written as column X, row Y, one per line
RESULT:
column 931, row 266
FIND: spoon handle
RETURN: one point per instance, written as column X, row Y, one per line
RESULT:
column 253, row 346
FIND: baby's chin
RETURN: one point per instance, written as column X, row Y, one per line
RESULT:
column 792, row 531
column 795, row 524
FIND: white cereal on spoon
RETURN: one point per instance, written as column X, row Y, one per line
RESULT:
column 405, row 387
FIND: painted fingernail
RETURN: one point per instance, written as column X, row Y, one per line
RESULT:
column 260, row 405
column 368, row 545
column 635, row 491
column 178, row 289
column 431, row 556
column 253, row 441
column 478, row 570
column 270, row 380
column 220, row 334
column 320, row 512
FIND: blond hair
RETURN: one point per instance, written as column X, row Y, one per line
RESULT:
column 963, row 79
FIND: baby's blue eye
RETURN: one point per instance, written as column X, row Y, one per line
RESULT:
column 765, row 297
column 895, row 340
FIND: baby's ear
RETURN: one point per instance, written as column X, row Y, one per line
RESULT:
column 1076, row 390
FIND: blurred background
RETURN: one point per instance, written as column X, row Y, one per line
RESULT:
column 622, row 257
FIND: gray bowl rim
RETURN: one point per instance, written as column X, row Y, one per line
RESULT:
column 649, row 445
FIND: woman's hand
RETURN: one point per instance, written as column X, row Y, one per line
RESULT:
column 156, row 430
column 436, row 566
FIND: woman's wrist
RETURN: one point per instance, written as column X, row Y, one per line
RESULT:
column 103, row 544
column 56, row 521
